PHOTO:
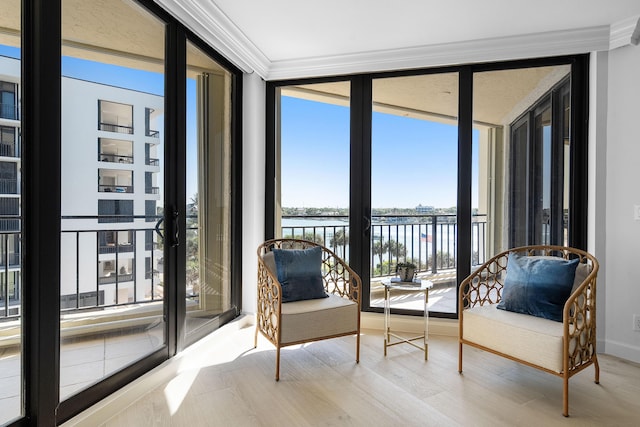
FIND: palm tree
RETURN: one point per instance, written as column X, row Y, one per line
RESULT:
column 339, row 240
column 380, row 247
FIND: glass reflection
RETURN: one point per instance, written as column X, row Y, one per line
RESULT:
column 11, row 286
column 112, row 174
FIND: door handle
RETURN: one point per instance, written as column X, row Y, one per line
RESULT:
column 175, row 241
column 367, row 222
column 158, row 224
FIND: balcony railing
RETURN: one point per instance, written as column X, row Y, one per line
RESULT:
column 113, row 278
column 152, row 190
column 9, row 261
column 150, row 161
column 9, row 149
column 7, row 223
column 115, row 188
column 110, row 127
column 115, row 158
column 153, row 133
column 88, row 290
column 112, row 248
column 8, row 186
column 429, row 241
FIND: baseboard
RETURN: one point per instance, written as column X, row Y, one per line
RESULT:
column 622, row 350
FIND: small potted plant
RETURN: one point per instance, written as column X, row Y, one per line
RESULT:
column 406, row 271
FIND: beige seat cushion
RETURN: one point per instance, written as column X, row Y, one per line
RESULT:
column 317, row 318
column 529, row 338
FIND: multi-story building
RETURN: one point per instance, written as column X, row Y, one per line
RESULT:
column 111, row 166
column 9, row 186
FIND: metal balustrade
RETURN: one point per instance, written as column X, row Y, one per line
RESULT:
column 115, row 158
column 8, row 186
column 9, row 149
column 115, row 188
column 89, row 291
column 429, row 241
column 110, row 127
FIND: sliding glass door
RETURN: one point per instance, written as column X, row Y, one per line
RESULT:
column 414, row 152
column 446, row 168
column 112, row 304
column 119, row 169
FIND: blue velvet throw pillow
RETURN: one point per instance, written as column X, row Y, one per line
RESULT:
column 299, row 273
column 537, row 286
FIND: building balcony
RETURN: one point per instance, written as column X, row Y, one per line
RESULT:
column 112, row 248
column 115, row 278
column 8, row 186
column 115, row 158
column 111, row 127
column 149, row 161
column 9, row 149
column 115, row 188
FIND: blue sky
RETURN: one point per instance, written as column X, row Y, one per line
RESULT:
column 413, row 161
column 143, row 81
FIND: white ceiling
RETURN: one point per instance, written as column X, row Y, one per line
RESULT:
column 296, row 38
column 294, row 29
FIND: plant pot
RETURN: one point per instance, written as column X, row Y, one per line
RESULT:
column 406, row 274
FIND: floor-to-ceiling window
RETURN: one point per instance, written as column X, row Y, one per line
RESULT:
column 414, row 150
column 111, row 312
column 11, row 308
column 448, row 168
column 313, row 166
column 89, row 271
column 208, row 186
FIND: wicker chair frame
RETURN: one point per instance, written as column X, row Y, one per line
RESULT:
column 484, row 286
column 338, row 278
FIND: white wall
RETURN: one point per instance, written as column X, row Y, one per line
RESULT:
column 622, row 281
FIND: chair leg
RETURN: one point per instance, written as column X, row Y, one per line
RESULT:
column 358, row 348
column 565, row 395
column 255, row 338
column 597, row 366
column 459, row 357
column 278, row 363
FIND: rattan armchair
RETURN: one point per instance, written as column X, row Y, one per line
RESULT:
column 559, row 348
column 297, row 322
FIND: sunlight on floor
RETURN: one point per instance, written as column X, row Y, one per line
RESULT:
column 178, row 388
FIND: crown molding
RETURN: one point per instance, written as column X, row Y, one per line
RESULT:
column 554, row 43
column 206, row 20
column 625, row 32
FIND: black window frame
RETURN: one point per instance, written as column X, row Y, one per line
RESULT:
column 526, row 208
column 360, row 203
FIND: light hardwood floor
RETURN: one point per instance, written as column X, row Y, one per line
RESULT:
column 228, row 383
